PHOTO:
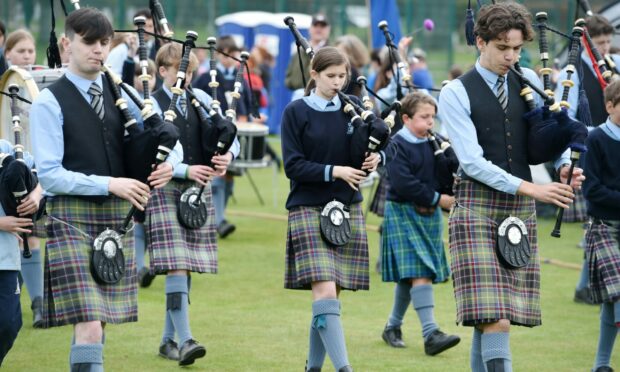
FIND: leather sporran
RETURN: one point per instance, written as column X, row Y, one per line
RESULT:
column 107, row 261
column 191, row 212
column 335, row 225
column 513, row 246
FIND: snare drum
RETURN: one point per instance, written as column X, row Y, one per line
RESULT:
column 252, row 138
column 30, row 84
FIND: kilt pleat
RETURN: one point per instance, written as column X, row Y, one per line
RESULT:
column 412, row 245
column 310, row 259
column 377, row 204
column 39, row 229
column 71, row 294
column 486, row 291
column 578, row 211
column 170, row 245
column 603, row 259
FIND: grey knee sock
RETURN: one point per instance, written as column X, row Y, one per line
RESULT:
column 402, row 298
column 178, row 306
column 139, row 244
column 476, row 363
column 327, row 321
column 316, row 351
column 607, row 336
column 86, row 357
column 32, row 272
column 424, row 305
column 496, row 346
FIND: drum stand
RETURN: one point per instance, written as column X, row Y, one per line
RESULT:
column 258, row 195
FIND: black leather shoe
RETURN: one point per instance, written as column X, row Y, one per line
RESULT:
column 224, row 229
column 604, row 369
column 169, row 350
column 346, row 369
column 145, row 277
column 37, row 312
column 191, row 350
column 393, row 336
column 439, row 341
column 583, row 296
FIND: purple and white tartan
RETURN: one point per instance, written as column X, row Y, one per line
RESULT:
column 578, row 209
column 70, row 293
column 171, row 246
column 603, row 259
column 310, row 259
column 486, row 291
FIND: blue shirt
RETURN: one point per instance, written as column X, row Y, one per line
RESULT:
column 454, row 111
column 9, row 245
column 46, row 121
column 181, row 168
column 573, row 93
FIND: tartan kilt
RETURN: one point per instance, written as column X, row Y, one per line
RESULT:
column 310, row 259
column 486, row 291
column 412, row 245
column 71, row 295
column 603, row 259
column 377, row 205
column 39, row 229
column 578, row 211
column 170, row 245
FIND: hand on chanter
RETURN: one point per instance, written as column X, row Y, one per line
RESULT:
column 554, row 193
column 371, row 162
column 15, row 225
column 577, row 179
column 221, row 163
column 160, row 176
column 349, row 175
column 30, row 204
column 135, row 192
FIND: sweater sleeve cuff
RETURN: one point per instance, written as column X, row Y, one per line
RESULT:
column 382, row 155
column 436, row 199
column 329, row 173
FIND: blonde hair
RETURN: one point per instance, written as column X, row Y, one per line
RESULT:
column 170, row 55
column 355, row 49
column 15, row 37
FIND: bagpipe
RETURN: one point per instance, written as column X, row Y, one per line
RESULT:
column 402, row 68
column 218, row 135
column 446, row 162
column 16, row 179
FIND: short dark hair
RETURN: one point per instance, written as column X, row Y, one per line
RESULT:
column 497, row 19
column 227, row 43
column 90, row 23
column 2, row 29
column 612, row 92
column 598, row 25
column 144, row 12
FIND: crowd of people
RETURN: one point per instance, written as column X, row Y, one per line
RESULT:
column 78, row 134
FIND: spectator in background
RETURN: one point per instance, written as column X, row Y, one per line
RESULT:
column 455, row 72
column 19, row 49
column 3, row 65
column 357, row 53
column 264, row 64
column 151, row 70
column 374, row 67
column 319, row 36
column 422, row 77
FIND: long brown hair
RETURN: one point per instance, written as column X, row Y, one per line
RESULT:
column 325, row 58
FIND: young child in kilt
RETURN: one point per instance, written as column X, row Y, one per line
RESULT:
column 413, row 252
column 601, row 31
column 483, row 112
column 602, row 191
column 175, row 250
column 315, row 147
column 77, row 134
column 10, row 265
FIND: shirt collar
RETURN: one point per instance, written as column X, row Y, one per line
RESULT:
column 489, row 76
column 409, row 136
column 321, row 102
column 612, row 130
column 81, row 83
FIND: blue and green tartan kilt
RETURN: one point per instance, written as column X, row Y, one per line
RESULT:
column 412, row 245
column 171, row 246
column 486, row 291
column 578, row 211
column 603, row 259
column 377, row 205
column 71, row 294
column 310, row 259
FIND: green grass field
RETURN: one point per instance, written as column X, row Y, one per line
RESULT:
column 248, row 322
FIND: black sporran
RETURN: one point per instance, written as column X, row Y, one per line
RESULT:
column 192, row 213
column 513, row 246
column 107, row 261
column 335, row 225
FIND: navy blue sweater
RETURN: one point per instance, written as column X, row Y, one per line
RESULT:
column 602, row 184
column 312, row 141
column 412, row 173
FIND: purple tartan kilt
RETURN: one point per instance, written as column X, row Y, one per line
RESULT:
column 578, row 210
column 603, row 259
column 310, row 259
column 71, row 294
column 377, row 205
column 170, row 245
column 485, row 291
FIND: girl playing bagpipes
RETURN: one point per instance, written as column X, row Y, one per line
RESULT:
column 316, row 145
column 413, row 252
column 78, row 137
column 492, row 227
column 176, row 250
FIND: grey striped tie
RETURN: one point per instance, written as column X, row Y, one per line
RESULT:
column 183, row 105
column 501, row 92
column 97, row 100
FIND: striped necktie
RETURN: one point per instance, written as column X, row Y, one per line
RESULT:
column 501, row 92
column 183, row 105
column 96, row 100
